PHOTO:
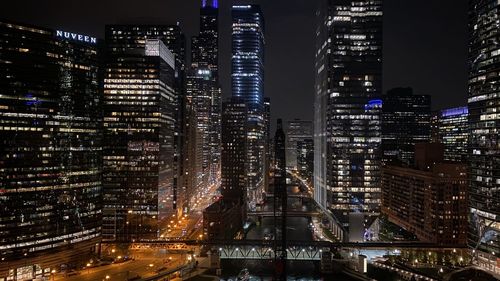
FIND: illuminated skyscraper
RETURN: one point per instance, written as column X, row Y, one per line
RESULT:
column 199, row 88
column 267, row 139
column 205, row 74
column 453, row 133
column 296, row 131
column 205, row 46
column 50, row 149
column 225, row 217
column 405, row 122
column 248, row 85
column 484, row 122
column 347, row 133
column 305, row 158
column 140, row 111
column 234, row 142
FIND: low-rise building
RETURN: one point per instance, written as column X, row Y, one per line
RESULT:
column 430, row 201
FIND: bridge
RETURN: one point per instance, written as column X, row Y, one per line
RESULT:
column 296, row 250
column 289, row 213
column 300, row 195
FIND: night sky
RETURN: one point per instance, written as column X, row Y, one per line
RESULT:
column 425, row 42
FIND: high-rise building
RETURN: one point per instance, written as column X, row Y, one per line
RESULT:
column 405, row 122
column 305, row 159
column 347, row 132
column 140, row 111
column 267, row 138
column 205, row 46
column 205, row 73
column 234, row 156
column 296, row 131
column 454, row 133
column 435, row 126
column 484, row 122
column 248, row 85
column 199, row 86
column 225, row 217
column 51, row 149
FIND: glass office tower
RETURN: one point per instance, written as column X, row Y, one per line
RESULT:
column 139, row 127
column 205, row 73
column 484, row 122
column 454, row 133
column 406, row 120
column 50, row 143
column 347, row 114
column 296, row 130
column 248, row 85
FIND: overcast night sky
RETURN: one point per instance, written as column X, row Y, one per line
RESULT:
column 425, row 42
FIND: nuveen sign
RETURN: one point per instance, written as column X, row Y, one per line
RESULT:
column 76, row 37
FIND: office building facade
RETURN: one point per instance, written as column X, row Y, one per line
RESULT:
column 267, row 140
column 204, row 62
column 51, row 150
column 431, row 203
column 234, row 150
column 224, row 218
column 454, row 133
column 484, row 143
column 296, row 131
column 405, row 122
column 140, row 111
column 305, row 159
column 247, row 76
column 347, row 132
column 199, row 96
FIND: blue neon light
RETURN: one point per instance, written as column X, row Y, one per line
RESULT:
column 215, row 4
column 464, row 110
column 203, row 3
column 32, row 101
column 373, row 104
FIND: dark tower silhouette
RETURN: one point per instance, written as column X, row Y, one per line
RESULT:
column 280, row 200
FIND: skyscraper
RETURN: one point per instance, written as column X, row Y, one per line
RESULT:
column 305, row 158
column 205, row 73
column 50, row 149
column 199, row 89
column 248, row 85
column 453, row 133
column 140, row 114
column 267, row 139
column 225, row 217
column 484, row 122
column 405, row 122
column 234, row 142
column 296, row 131
column 347, row 114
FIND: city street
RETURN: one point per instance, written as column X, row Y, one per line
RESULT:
column 190, row 226
column 147, row 263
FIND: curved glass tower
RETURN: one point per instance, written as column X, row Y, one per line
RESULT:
column 484, row 122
